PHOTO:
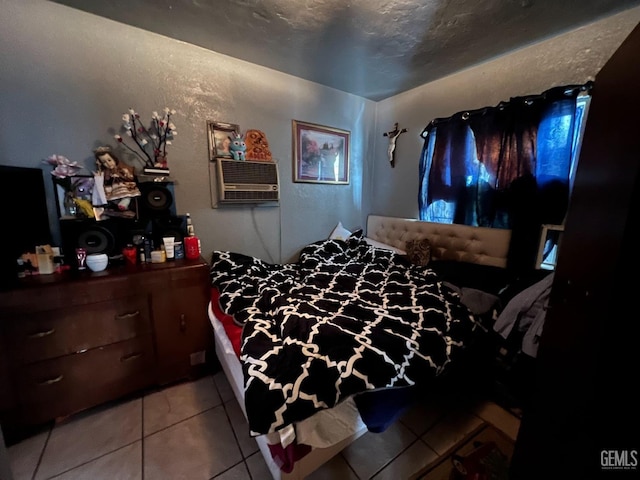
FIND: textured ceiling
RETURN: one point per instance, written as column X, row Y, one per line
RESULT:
column 371, row 48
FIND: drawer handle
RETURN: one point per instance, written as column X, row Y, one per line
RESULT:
column 131, row 356
column 51, row 381
column 128, row 315
column 42, row 334
column 183, row 323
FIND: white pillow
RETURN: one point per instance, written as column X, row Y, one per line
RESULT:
column 375, row 243
column 339, row 233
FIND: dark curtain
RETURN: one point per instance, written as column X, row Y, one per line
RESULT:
column 447, row 177
column 489, row 133
column 505, row 167
column 423, row 170
column 539, row 193
column 516, row 182
column 506, row 139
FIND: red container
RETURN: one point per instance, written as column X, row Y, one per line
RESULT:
column 130, row 254
column 191, row 248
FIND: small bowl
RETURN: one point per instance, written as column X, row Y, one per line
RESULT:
column 97, row 261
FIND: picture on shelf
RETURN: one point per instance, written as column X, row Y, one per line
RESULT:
column 220, row 134
column 77, row 187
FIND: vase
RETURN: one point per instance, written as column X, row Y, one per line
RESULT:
column 70, row 206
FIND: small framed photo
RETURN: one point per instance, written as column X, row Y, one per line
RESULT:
column 550, row 239
column 320, row 154
column 77, row 186
column 219, row 133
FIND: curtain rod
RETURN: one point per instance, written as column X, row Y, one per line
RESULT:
column 554, row 93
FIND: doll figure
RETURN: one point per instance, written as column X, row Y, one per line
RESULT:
column 117, row 180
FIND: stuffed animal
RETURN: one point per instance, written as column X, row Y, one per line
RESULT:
column 238, row 147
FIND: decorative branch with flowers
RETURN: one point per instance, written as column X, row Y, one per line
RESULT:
column 152, row 141
column 63, row 171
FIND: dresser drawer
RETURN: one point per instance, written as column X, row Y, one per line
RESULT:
column 68, row 384
column 53, row 333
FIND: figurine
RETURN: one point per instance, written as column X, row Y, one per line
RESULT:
column 393, row 136
column 238, row 147
column 114, row 182
column 257, row 146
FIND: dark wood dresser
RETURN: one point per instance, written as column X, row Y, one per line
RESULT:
column 73, row 340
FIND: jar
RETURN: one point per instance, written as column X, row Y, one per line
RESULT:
column 157, row 257
column 130, row 253
column 191, row 250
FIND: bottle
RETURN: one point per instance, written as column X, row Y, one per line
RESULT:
column 178, row 251
column 142, row 257
column 191, row 242
column 21, row 268
column 148, row 248
column 190, row 231
column 138, row 243
column 130, row 253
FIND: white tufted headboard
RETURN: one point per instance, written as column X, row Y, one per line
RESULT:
column 485, row 246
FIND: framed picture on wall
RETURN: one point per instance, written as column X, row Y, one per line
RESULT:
column 320, row 154
column 219, row 133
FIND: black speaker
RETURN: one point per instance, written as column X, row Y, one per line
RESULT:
column 173, row 226
column 157, row 200
column 106, row 236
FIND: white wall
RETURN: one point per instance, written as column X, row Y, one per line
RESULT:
column 66, row 78
column 573, row 57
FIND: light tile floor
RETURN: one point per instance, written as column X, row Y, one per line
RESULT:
column 196, row 431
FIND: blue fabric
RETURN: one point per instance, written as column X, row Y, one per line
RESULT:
column 555, row 141
column 424, row 168
column 470, row 160
column 381, row 408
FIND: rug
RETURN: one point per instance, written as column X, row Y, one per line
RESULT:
column 484, row 454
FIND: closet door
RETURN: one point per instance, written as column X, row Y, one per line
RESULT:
column 584, row 406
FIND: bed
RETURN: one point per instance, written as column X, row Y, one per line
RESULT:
column 313, row 349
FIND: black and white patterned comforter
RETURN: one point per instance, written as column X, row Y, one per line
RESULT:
column 346, row 318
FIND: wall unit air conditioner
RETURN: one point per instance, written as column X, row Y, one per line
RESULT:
column 247, row 181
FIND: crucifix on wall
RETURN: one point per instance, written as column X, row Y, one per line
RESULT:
column 393, row 136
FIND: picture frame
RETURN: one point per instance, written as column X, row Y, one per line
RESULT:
column 320, row 153
column 218, row 134
column 81, row 186
column 548, row 246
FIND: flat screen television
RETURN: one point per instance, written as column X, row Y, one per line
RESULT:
column 23, row 215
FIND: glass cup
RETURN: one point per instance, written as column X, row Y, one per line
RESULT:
column 81, row 257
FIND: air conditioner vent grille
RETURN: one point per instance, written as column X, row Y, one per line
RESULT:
column 245, row 196
column 247, row 182
column 249, row 172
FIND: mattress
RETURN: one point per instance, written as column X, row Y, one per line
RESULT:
column 326, row 432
